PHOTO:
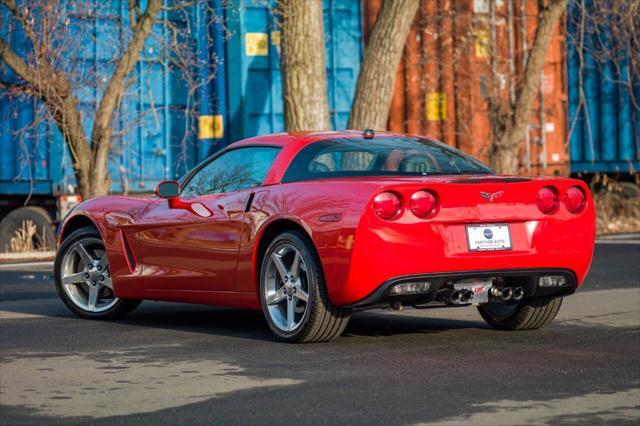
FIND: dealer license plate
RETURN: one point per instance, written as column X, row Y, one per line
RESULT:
column 488, row 237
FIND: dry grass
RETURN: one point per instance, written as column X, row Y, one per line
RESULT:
column 23, row 239
column 615, row 213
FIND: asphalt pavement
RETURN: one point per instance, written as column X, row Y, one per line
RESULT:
column 191, row 364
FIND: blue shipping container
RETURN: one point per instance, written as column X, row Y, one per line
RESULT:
column 604, row 124
column 161, row 131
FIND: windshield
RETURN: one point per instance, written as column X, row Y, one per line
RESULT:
column 381, row 156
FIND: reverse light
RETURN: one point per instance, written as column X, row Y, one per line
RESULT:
column 411, row 288
column 387, row 205
column 574, row 199
column 423, row 204
column 552, row 281
column 547, row 199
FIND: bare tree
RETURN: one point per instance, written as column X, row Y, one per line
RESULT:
column 303, row 65
column 42, row 78
column 374, row 88
column 42, row 58
column 464, row 76
column 509, row 129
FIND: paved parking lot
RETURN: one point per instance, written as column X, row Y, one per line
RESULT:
column 181, row 364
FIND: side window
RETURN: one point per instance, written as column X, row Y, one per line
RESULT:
column 235, row 170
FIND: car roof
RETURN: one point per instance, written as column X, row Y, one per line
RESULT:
column 304, row 138
column 292, row 142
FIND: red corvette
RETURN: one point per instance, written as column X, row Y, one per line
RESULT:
column 309, row 227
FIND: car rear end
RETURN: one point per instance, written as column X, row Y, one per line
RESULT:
column 469, row 239
column 428, row 224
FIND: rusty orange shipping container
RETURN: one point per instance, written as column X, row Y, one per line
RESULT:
column 462, row 65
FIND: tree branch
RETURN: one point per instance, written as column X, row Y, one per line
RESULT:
column 26, row 25
column 11, row 58
column 101, row 135
column 134, row 12
column 504, row 157
column 548, row 19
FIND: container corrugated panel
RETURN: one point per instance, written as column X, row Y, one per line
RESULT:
column 149, row 141
column 446, row 76
column 253, row 65
column 25, row 160
column 604, row 128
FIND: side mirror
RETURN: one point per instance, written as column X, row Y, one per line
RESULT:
column 168, row 189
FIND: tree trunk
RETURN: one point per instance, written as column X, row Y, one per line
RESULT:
column 374, row 89
column 102, row 130
column 64, row 111
column 506, row 148
column 303, row 66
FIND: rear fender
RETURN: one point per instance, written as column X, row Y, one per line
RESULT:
column 328, row 218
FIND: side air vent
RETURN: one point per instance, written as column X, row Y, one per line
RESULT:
column 128, row 253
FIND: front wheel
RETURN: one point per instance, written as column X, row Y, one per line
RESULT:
column 294, row 295
column 83, row 279
column 530, row 314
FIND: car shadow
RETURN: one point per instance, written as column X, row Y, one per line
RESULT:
column 379, row 323
column 248, row 324
column 252, row 325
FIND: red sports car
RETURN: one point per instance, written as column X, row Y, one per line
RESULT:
column 309, row 227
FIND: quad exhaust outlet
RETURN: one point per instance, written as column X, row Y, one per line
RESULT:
column 464, row 296
column 507, row 293
column 454, row 297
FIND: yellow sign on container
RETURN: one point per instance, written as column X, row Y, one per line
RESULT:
column 482, row 44
column 257, row 44
column 436, row 106
column 210, row 127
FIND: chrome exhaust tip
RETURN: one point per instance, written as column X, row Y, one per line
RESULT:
column 507, row 294
column 503, row 294
column 518, row 293
column 467, row 296
column 449, row 296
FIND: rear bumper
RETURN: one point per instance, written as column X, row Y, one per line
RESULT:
column 381, row 254
column 526, row 278
column 378, row 251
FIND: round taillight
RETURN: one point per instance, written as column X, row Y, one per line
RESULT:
column 574, row 199
column 387, row 205
column 423, row 204
column 547, row 199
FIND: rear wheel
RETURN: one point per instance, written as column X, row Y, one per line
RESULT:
column 294, row 295
column 83, row 279
column 530, row 314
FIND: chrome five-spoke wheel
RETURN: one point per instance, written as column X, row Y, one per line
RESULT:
column 293, row 292
column 286, row 289
column 85, row 276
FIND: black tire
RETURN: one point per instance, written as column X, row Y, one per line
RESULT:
column 322, row 321
column 44, row 239
column 532, row 313
column 120, row 308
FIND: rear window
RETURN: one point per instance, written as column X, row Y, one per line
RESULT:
column 381, row 156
